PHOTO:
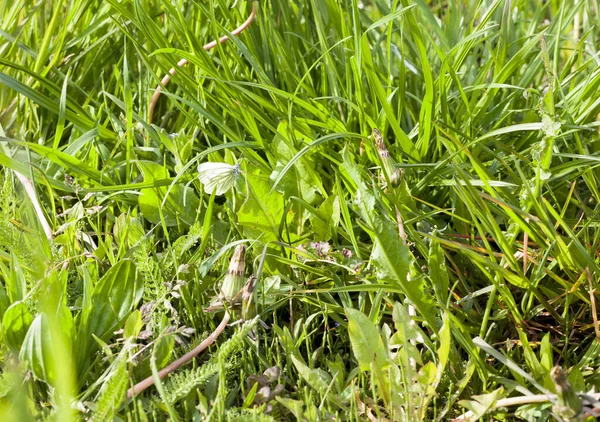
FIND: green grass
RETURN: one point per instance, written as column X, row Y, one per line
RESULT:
column 453, row 274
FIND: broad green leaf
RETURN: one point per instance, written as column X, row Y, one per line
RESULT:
column 391, row 258
column 128, row 230
column 317, row 379
column 546, row 358
column 437, row 271
column 312, row 377
column 427, row 378
column 181, row 204
column 300, row 180
column 337, row 369
column 133, row 325
column 53, row 303
column 408, row 330
column 407, row 336
column 296, row 407
column 307, row 148
column 577, row 380
column 481, row 404
column 367, row 344
column 327, row 218
column 39, row 351
column 15, row 323
column 112, row 299
column 163, row 351
column 261, row 213
column 445, row 342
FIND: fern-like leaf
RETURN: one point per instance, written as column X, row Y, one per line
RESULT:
column 113, row 391
column 181, row 384
column 248, row 415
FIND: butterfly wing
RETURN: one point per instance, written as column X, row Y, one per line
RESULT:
column 219, row 176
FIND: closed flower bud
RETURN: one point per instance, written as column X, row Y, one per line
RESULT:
column 248, row 308
column 389, row 165
column 234, row 279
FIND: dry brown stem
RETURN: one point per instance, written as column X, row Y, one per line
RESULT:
column 167, row 78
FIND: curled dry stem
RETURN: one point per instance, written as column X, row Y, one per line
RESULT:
column 162, row 374
column 165, row 80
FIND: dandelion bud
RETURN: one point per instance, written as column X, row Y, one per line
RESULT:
column 569, row 404
column 248, row 307
column 388, row 164
column 234, row 279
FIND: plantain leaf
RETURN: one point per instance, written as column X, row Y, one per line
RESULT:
column 112, row 299
column 38, row 349
column 15, row 323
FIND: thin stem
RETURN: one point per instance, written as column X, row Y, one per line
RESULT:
column 162, row 374
column 518, row 401
column 167, row 78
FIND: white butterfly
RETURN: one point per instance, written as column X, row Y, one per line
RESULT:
column 219, row 176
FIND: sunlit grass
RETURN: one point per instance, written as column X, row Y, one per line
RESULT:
column 393, row 286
